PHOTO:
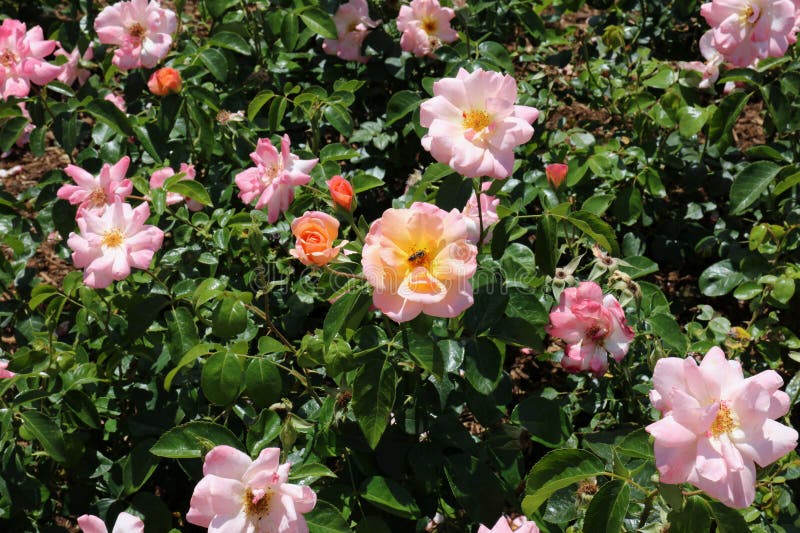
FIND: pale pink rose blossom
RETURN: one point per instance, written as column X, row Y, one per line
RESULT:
column 142, row 30
column 272, row 181
column 710, row 69
column 717, row 425
column 352, row 26
column 487, row 214
column 419, row 260
column 109, row 244
column 22, row 59
column 425, row 26
column 237, row 494
column 3, row 372
column 71, row 71
column 473, row 124
column 518, row 525
column 592, row 325
column 158, row 178
column 744, row 31
column 95, row 192
column 126, row 523
column 117, row 100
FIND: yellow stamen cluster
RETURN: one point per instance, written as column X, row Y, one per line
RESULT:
column 113, row 238
column 723, row 423
column 8, row 58
column 136, row 30
column 257, row 509
column 476, row 120
column 429, row 25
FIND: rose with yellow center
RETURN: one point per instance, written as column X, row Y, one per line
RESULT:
column 419, row 260
column 425, row 25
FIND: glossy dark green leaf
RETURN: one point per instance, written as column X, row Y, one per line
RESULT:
column 546, row 245
column 182, row 332
column 556, row 470
column 720, row 126
column 597, row 229
column 373, row 398
column 719, row 279
column 325, row 518
column 47, row 433
column 10, row 131
column 608, row 508
column 666, row 328
column 263, row 382
column 352, row 304
column 193, row 440
column 318, row 21
column 229, row 318
column 231, row 41
column 216, row 63
column 483, row 364
column 750, row 183
column 191, row 189
column 695, row 516
column 110, row 115
column 728, row 520
column 401, row 104
column 388, row 495
column 221, row 378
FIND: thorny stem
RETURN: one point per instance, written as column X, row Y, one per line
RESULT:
column 344, row 274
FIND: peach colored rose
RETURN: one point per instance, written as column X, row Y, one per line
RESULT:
column 165, row 81
column 419, row 260
column 341, row 192
column 315, row 232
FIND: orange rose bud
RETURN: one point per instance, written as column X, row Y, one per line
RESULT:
column 165, row 81
column 315, row 232
column 556, row 174
column 341, row 192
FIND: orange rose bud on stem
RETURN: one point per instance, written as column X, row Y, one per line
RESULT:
column 341, row 192
column 556, row 173
column 165, row 81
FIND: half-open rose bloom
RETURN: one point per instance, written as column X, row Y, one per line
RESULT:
column 95, row 192
column 165, row 81
column 272, row 181
column 487, row 215
column 71, row 71
column 158, row 178
column 142, row 30
column 112, row 243
column 425, row 26
column 518, row 525
column 474, row 125
column 716, row 425
column 126, row 523
column 315, row 232
column 556, row 173
column 237, row 495
column 22, row 61
column 592, row 325
column 747, row 30
column 352, row 26
column 710, row 69
column 3, row 372
column 419, row 260
column 341, row 192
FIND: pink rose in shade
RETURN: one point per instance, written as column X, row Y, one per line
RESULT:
column 419, row 260
column 352, row 26
column 95, row 192
column 158, row 178
column 592, row 325
column 710, row 69
column 111, row 243
column 716, row 424
column 272, row 181
column 518, row 525
column 744, row 31
column 473, row 124
column 3, row 372
column 117, row 100
column 142, row 30
column 315, row 232
column 126, row 523
column 488, row 214
column 425, row 26
column 238, row 495
column 21, row 59
column 71, row 71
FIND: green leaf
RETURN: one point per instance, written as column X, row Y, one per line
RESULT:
column 230, row 318
column 10, row 132
column 608, row 508
column 263, row 382
column 231, row 41
column 216, row 8
column 556, row 470
column 182, row 331
column 783, row 290
column 108, row 114
column 138, row 466
column 728, row 520
column 750, row 182
column 257, row 103
column 545, row 419
column 390, row 496
column 720, row 127
column 83, row 408
column 307, row 473
column 193, row 440
column 189, row 357
column 497, row 54
column 40, row 294
column 669, row 331
column 747, row 290
column 47, row 433
column 694, row 517
column 352, row 304
column 215, row 62
column 339, row 117
column 337, row 152
column 424, row 351
column 221, row 378
column 483, row 364
column 546, row 245
column 595, row 228
column 373, row 398
column 636, row 444
column 325, row 518
column 318, row 21
column 364, row 182
column 719, row 279
column 401, row 104
column 191, row 189
column 143, row 136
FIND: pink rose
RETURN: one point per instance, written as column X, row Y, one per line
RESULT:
column 237, row 494
column 710, row 69
column 487, row 214
column 142, row 30
column 592, row 325
column 22, row 59
column 71, row 71
column 126, row 523
column 744, row 31
column 160, row 176
column 315, row 232
column 425, row 26
column 117, row 100
column 473, row 124
column 109, row 244
column 95, row 192
column 3, row 372
column 352, row 26
column 272, row 181
column 419, row 260
column 716, row 424
column 518, row 525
